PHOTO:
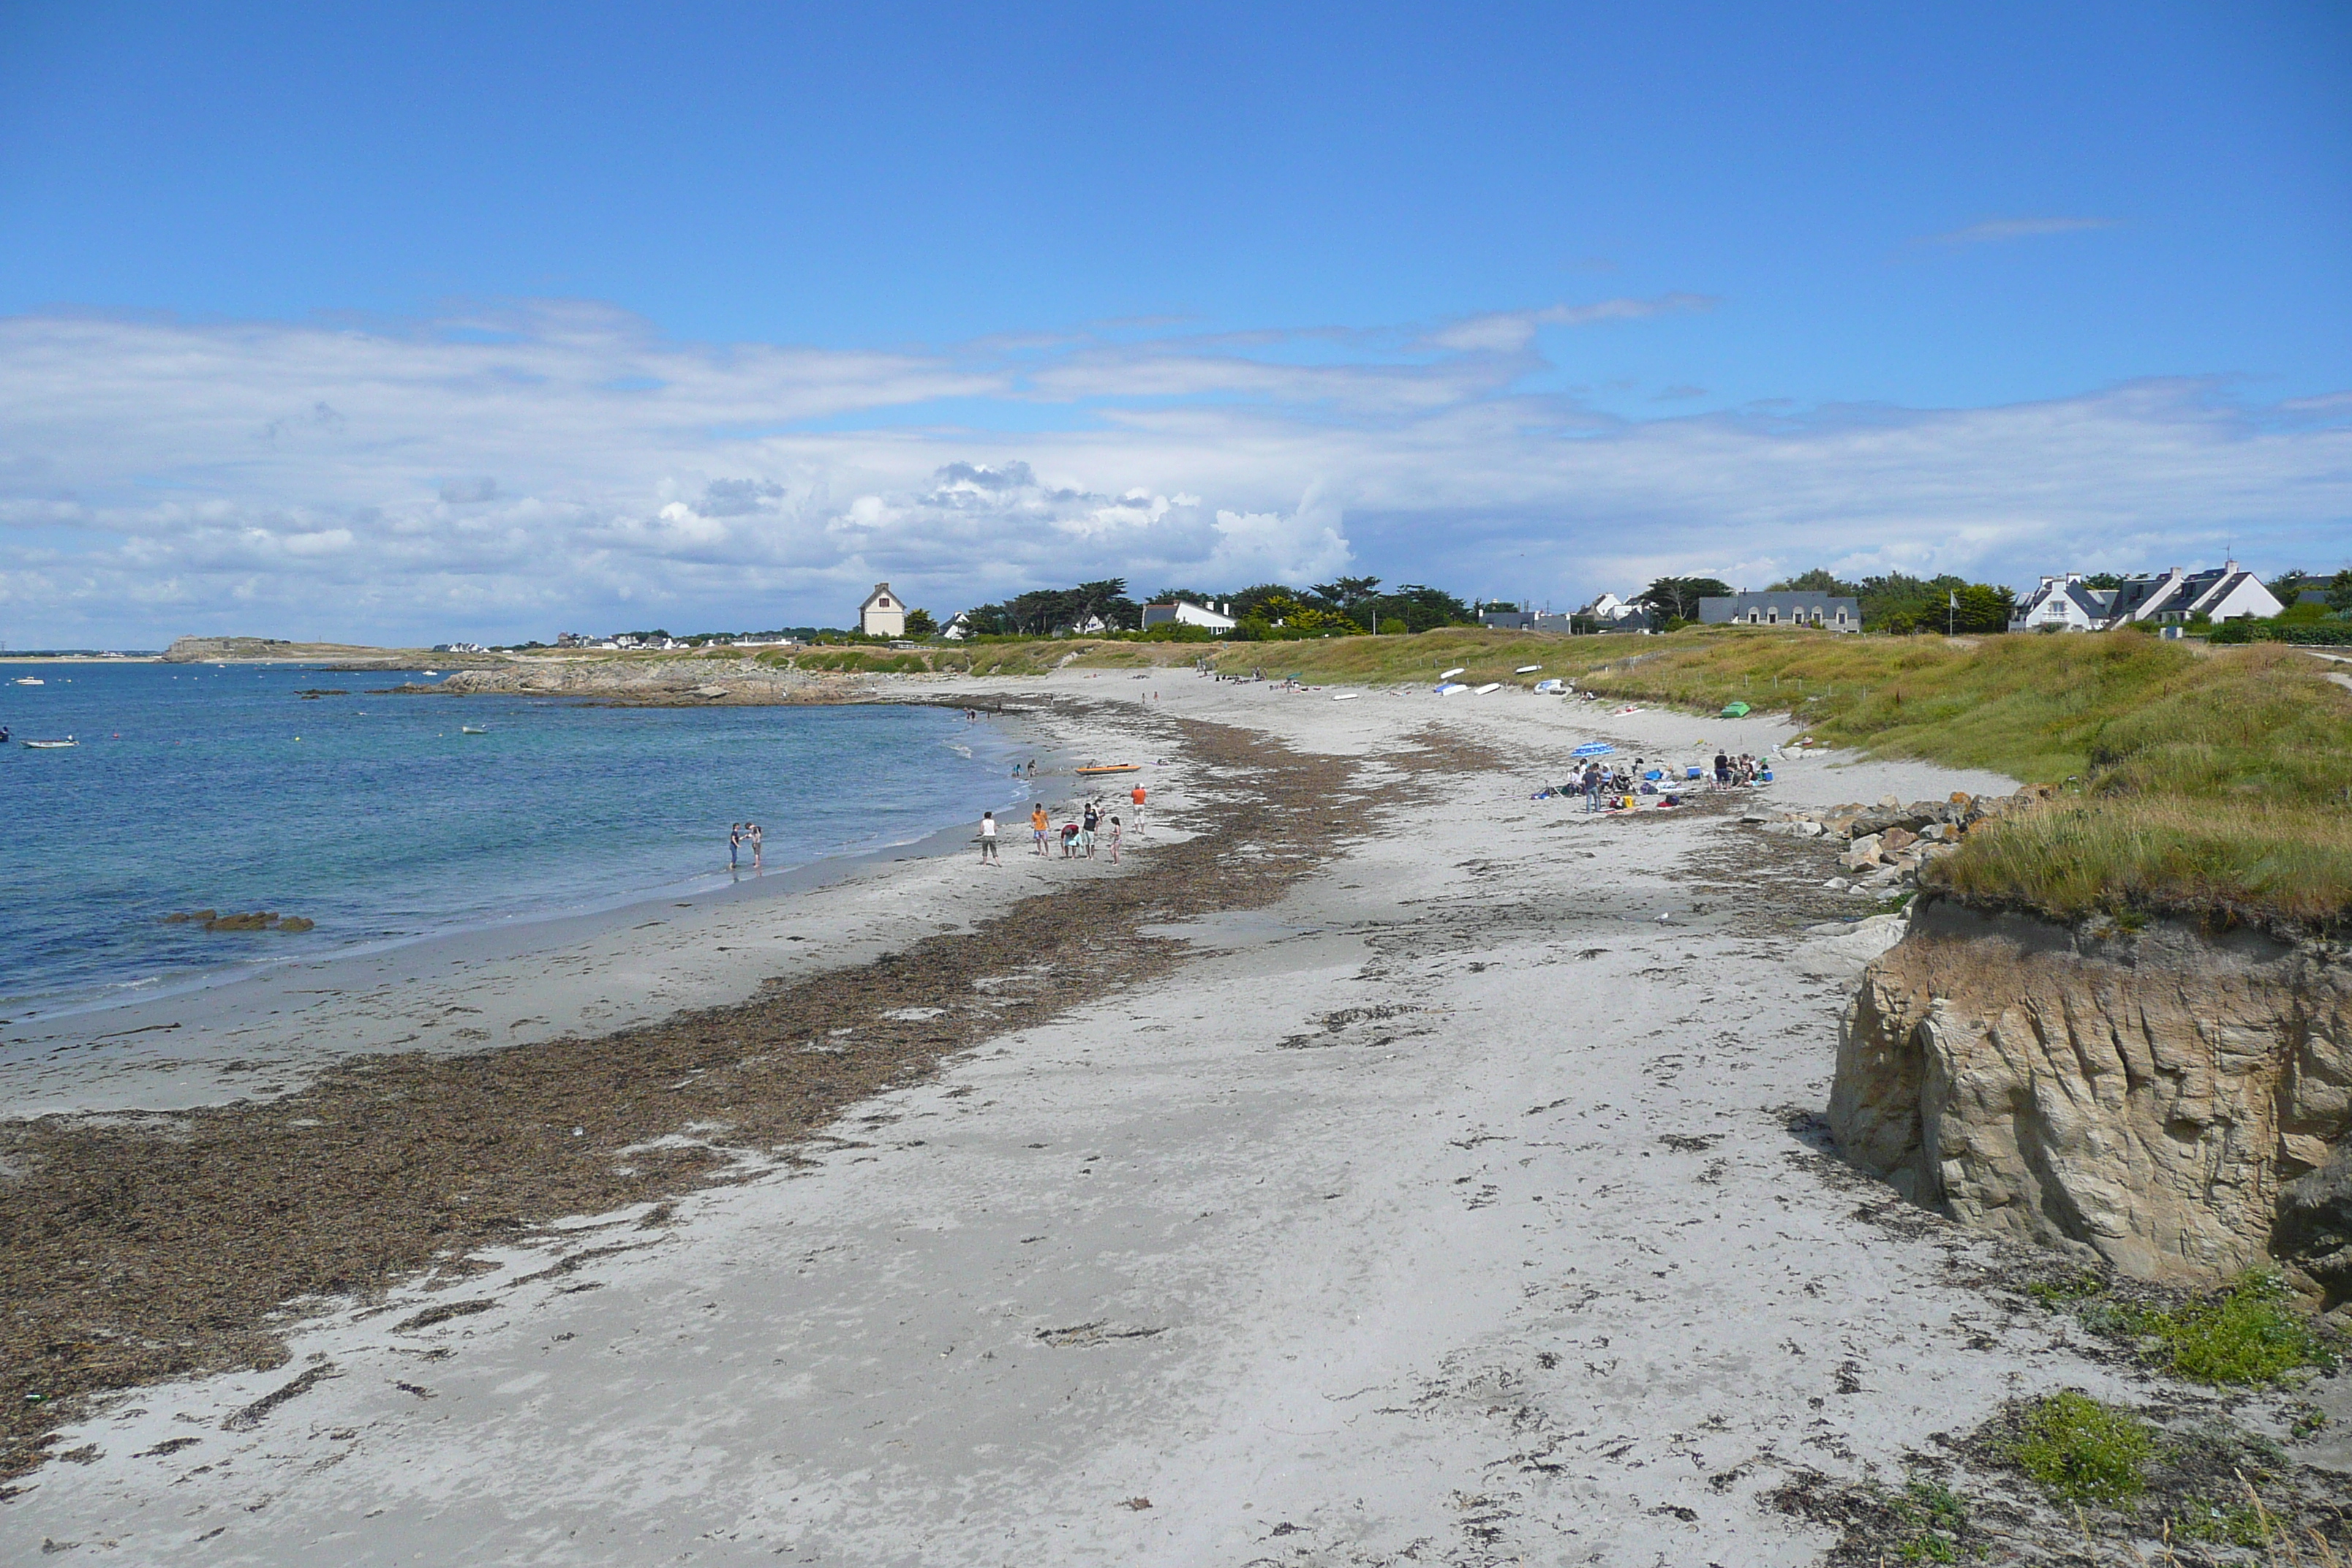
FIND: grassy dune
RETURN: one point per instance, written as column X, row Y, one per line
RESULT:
column 2214, row 782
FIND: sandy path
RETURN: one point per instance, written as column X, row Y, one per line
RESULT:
column 1360, row 1240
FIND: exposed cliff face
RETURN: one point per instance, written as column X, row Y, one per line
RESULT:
column 2174, row 1104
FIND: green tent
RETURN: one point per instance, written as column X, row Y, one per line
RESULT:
column 1734, row 710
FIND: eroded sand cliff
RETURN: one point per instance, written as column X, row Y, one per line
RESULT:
column 2175, row 1102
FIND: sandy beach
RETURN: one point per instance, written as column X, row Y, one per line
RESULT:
column 1451, row 1188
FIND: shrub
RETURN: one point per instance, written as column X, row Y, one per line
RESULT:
column 2249, row 1333
column 1394, row 628
column 2081, row 1451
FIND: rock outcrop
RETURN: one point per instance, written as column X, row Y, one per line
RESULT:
column 2173, row 1102
column 667, row 682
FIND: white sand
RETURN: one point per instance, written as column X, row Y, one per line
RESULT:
column 1354, row 1241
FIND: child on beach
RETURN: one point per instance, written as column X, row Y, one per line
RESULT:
column 988, row 839
column 1039, row 825
column 759, row 847
column 1069, row 840
column 1114, row 840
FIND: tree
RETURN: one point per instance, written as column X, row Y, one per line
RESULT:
column 920, row 624
column 1349, row 595
column 1678, row 597
column 1820, row 580
column 2287, row 587
column 1899, row 602
column 1107, row 599
column 2339, row 592
column 2106, row 582
column 1421, row 607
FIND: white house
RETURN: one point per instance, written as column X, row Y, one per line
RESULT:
column 2221, row 592
column 1609, row 607
column 1180, row 614
column 958, row 628
column 882, row 614
column 2061, row 603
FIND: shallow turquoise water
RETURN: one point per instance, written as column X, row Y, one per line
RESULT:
column 201, row 787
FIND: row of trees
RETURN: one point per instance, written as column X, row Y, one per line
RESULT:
column 1343, row 605
column 1045, row 611
column 1895, row 603
column 1901, row 603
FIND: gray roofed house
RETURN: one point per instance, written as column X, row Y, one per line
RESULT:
column 2063, row 604
column 1830, row 612
column 2220, row 592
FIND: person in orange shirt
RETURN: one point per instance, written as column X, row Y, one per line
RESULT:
column 1039, row 824
column 1138, row 796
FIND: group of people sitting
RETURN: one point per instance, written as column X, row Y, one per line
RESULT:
column 1614, row 789
column 1731, row 772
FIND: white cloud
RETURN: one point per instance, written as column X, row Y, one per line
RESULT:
column 578, row 472
column 1991, row 230
column 1511, row 331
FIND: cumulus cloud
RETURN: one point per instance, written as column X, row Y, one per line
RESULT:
column 160, row 477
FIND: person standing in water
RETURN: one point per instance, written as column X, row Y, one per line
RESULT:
column 988, row 839
column 734, row 846
column 759, row 847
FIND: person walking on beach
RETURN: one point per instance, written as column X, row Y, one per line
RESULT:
column 1086, row 831
column 1114, row 840
column 1137, row 795
column 759, row 847
column 1039, row 825
column 988, row 839
column 734, row 846
column 1593, row 786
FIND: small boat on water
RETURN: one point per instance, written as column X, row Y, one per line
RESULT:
column 1096, row 770
column 52, row 745
column 31, row 680
column 473, row 728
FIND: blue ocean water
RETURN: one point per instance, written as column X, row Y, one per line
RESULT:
column 195, row 786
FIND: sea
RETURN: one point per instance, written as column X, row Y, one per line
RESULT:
column 374, row 817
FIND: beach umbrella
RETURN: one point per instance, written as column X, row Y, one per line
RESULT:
column 1592, row 748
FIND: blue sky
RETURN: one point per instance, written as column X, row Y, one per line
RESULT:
column 1532, row 300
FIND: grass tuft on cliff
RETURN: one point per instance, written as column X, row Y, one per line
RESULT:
column 2251, row 1332
column 2079, row 1450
